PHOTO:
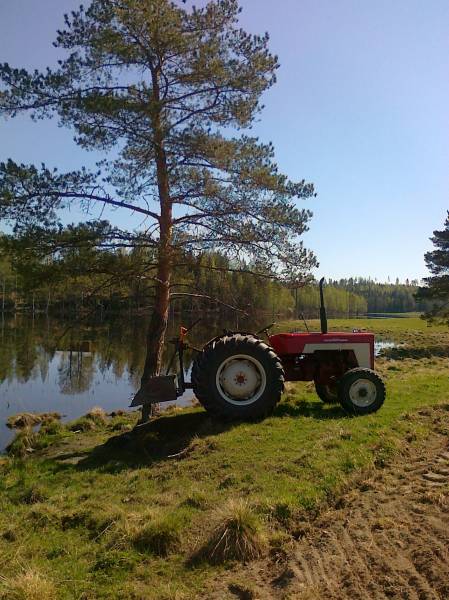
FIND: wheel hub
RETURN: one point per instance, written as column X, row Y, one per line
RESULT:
column 363, row 392
column 241, row 379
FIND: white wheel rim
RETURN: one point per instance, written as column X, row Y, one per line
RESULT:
column 363, row 392
column 241, row 380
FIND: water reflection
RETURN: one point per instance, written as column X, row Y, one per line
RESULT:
column 383, row 345
column 50, row 365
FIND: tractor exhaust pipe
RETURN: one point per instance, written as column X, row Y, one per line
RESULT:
column 323, row 316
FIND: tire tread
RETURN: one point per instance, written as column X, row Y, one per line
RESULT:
column 238, row 343
column 369, row 374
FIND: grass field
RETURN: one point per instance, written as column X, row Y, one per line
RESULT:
column 99, row 513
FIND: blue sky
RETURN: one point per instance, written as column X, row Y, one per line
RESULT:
column 361, row 109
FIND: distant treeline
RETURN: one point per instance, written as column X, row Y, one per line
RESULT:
column 385, row 297
column 116, row 281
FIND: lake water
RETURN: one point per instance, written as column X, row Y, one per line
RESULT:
column 48, row 365
column 383, row 345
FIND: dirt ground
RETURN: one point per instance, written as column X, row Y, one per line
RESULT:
column 388, row 537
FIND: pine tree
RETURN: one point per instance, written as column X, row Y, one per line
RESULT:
column 437, row 285
column 169, row 91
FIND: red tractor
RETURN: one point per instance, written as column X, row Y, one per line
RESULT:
column 237, row 375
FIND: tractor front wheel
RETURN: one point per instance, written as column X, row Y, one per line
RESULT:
column 238, row 377
column 361, row 391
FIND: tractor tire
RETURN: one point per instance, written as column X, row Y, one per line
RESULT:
column 361, row 391
column 238, row 377
column 327, row 393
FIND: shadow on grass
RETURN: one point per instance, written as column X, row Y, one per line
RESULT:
column 316, row 410
column 161, row 439
column 173, row 436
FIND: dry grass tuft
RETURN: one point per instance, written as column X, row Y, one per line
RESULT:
column 29, row 585
column 23, row 443
column 147, row 533
column 173, row 409
column 27, row 440
column 25, row 420
column 117, row 413
column 237, row 535
column 159, row 537
column 82, row 424
column 98, row 415
column 51, row 427
column 123, row 530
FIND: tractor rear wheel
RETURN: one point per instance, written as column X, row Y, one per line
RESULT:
column 238, row 377
column 361, row 391
column 327, row 392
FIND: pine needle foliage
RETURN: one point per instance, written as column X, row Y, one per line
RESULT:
column 168, row 94
column 437, row 285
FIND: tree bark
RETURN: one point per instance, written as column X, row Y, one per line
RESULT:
column 159, row 319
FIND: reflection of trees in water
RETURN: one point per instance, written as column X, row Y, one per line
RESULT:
column 20, row 349
column 120, row 347
column 26, row 354
column 43, row 361
column 117, row 345
column 75, row 372
column 6, row 363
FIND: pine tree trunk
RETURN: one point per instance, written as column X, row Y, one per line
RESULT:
column 158, row 323
column 159, row 319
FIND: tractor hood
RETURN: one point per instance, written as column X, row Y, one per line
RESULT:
column 295, row 343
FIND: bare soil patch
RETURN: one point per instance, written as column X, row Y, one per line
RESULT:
column 391, row 540
column 388, row 537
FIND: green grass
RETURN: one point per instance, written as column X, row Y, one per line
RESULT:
column 399, row 328
column 107, row 514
